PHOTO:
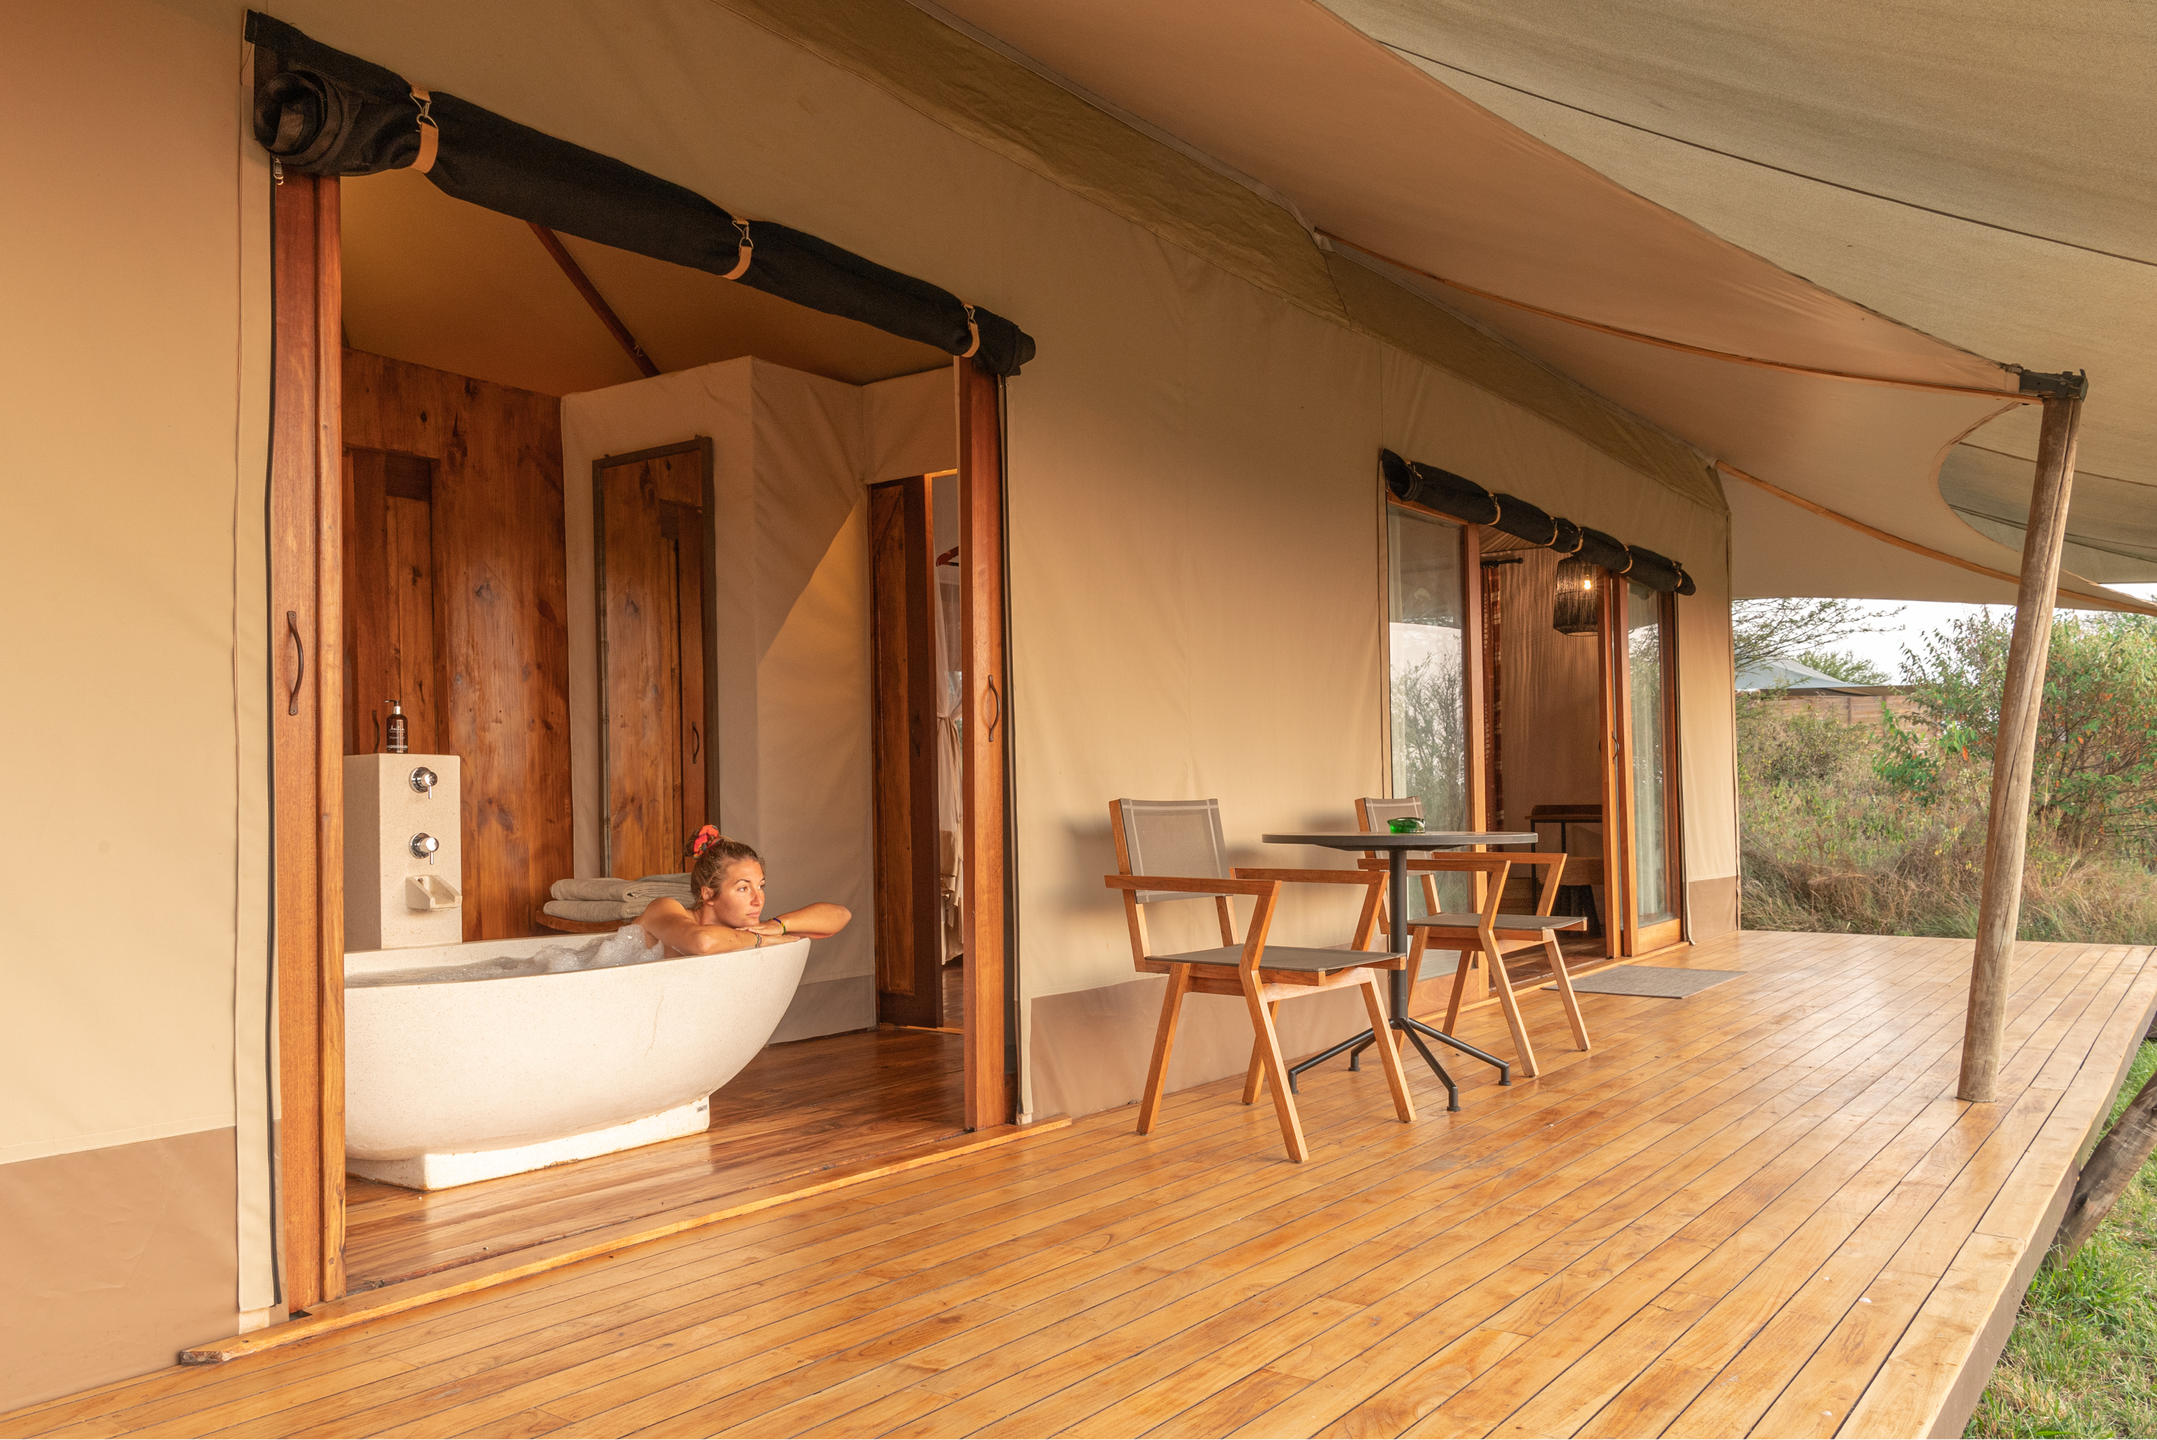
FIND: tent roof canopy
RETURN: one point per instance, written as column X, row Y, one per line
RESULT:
column 1504, row 215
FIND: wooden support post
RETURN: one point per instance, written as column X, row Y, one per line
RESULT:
column 2112, row 1166
column 2014, row 751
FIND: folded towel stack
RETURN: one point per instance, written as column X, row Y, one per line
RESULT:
column 611, row 899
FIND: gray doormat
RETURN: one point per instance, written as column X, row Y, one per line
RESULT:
column 1658, row 981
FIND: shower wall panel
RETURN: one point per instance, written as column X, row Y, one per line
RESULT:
column 495, row 577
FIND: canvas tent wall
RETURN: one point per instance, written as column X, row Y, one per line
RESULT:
column 1194, row 520
column 1845, row 395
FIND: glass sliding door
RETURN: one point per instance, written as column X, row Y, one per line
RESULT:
column 1648, row 769
column 1427, row 646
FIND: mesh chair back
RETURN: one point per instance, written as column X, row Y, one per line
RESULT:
column 1173, row 837
column 1374, row 811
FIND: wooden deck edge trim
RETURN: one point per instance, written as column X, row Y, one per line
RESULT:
column 1990, row 1342
column 537, row 1260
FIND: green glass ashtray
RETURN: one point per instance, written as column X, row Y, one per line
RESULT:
column 1406, row 825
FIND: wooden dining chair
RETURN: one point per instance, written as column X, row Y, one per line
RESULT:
column 1489, row 934
column 1172, row 850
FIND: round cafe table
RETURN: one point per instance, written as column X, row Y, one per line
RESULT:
column 1396, row 849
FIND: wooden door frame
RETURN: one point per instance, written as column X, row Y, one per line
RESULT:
column 1629, row 936
column 919, row 926
column 305, row 508
column 306, row 477
column 700, row 446
column 989, row 921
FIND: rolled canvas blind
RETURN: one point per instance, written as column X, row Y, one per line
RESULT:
column 1464, row 500
column 323, row 112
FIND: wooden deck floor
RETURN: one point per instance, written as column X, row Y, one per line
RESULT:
column 798, row 1109
column 1758, row 1210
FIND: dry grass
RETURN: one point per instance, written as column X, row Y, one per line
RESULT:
column 1829, row 845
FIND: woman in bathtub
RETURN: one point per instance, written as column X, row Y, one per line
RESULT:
column 727, row 878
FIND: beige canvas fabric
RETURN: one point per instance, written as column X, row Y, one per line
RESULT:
column 1367, row 146
column 1979, row 171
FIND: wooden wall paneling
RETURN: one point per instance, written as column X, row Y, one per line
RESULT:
column 983, row 717
column 408, row 586
column 641, row 678
column 500, row 584
column 366, row 657
column 391, row 642
column 909, row 930
column 307, row 737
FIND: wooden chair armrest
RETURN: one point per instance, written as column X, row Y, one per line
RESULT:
column 1474, row 862
column 1190, row 884
column 1308, row 877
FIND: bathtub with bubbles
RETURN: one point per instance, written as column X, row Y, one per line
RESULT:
column 468, row 1062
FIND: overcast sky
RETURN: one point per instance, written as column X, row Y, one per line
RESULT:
column 1921, row 617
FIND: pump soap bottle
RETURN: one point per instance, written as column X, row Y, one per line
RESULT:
column 394, row 728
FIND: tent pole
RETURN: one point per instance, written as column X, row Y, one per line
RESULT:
column 2014, row 751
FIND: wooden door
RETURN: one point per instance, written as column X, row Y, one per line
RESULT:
column 652, row 520
column 306, row 737
column 902, row 595
column 1642, row 859
column 985, row 738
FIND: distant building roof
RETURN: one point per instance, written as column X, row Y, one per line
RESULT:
column 1789, row 675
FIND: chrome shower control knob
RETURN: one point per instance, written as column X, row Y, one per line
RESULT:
column 424, row 780
column 424, row 845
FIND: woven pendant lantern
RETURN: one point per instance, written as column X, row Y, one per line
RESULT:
column 1574, row 609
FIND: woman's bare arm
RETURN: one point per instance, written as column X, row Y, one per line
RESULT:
column 674, row 927
column 819, row 921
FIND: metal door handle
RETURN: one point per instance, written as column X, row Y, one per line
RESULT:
column 994, row 709
column 299, row 646
column 696, row 743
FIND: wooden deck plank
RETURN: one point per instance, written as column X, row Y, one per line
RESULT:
column 1551, row 1144
column 1633, row 1352
column 622, row 1419
column 1739, row 1211
column 1741, row 1287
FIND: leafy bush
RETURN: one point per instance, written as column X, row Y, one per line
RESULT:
column 2095, row 781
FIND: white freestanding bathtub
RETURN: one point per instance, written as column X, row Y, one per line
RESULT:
column 465, row 1062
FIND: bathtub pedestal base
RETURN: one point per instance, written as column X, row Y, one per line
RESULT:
column 440, row 1172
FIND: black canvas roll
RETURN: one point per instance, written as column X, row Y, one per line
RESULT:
column 1528, row 522
column 1464, row 500
column 323, row 112
column 1608, row 551
column 1436, row 489
column 1659, row 572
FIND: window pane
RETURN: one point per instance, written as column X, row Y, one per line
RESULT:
column 1430, row 731
column 1648, row 664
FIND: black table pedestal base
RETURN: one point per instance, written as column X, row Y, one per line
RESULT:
column 1415, row 1030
